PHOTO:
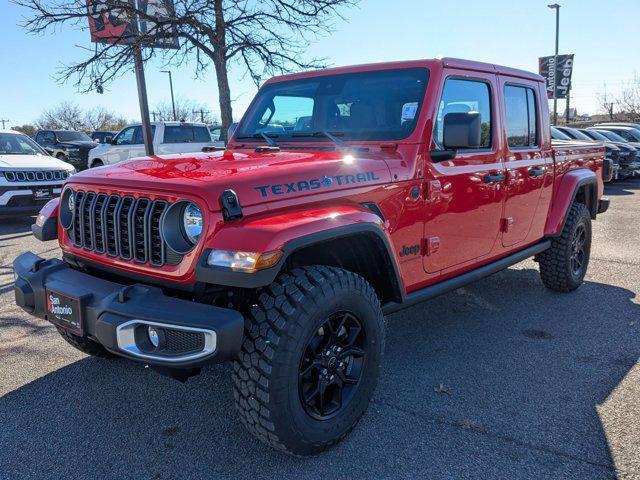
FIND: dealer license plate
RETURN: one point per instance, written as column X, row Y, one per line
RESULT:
column 64, row 311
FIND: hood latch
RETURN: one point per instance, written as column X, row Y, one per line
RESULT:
column 231, row 208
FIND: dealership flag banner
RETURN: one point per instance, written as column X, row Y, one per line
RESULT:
column 557, row 76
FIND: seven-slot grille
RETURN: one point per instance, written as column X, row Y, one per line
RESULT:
column 35, row 175
column 120, row 226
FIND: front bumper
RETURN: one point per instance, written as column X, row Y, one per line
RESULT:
column 118, row 316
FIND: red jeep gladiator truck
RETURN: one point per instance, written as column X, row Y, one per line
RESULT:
column 343, row 195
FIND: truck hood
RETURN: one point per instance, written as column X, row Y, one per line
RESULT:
column 32, row 161
column 256, row 177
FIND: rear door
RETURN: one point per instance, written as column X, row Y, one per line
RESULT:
column 527, row 168
column 465, row 194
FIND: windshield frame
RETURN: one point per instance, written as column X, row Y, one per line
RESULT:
column 29, row 141
column 61, row 140
column 240, row 136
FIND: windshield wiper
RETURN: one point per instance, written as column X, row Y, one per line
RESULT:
column 324, row 133
column 268, row 137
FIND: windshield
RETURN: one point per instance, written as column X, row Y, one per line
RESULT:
column 71, row 136
column 614, row 137
column 578, row 135
column 558, row 135
column 595, row 135
column 18, row 144
column 374, row 105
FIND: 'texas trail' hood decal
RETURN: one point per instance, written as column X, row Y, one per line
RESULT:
column 315, row 183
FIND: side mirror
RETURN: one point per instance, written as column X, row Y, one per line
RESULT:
column 462, row 130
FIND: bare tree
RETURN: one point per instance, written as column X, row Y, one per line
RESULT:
column 624, row 106
column 69, row 116
column 27, row 129
column 100, row 119
column 66, row 116
column 264, row 37
column 186, row 109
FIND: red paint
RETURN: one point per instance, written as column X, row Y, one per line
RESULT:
column 457, row 218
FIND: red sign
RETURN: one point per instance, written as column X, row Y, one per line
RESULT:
column 109, row 24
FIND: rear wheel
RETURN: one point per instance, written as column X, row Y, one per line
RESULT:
column 564, row 265
column 309, row 363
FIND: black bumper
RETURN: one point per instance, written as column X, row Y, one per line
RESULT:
column 108, row 309
column 603, row 206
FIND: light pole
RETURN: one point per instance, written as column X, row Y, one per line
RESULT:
column 556, row 7
column 173, row 103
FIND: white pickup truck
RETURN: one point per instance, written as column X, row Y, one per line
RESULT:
column 168, row 137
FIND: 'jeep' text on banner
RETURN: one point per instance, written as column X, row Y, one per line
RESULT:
column 557, row 76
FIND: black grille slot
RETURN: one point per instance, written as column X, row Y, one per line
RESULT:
column 140, row 227
column 86, row 220
column 178, row 342
column 110, row 221
column 98, row 222
column 156, row 245
column 122, row 227
column 77, row 237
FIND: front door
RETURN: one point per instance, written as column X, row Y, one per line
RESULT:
column 120, row 149
column 527, row 168
column 465, row 195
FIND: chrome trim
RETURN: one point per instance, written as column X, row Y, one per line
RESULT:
column 125, row 338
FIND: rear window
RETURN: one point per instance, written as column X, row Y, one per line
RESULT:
column 520, row 116
column 186, row 134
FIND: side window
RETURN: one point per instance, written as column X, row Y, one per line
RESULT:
column 125, row 137
column 186, row 134
column 521, row 116
column 461, row 95
column 215, row 133
column 138, row 137
column 38, row 138
column 48, row 137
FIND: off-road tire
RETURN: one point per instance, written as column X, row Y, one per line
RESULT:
column 85, row 345
column 555, row 263
column 277, row 330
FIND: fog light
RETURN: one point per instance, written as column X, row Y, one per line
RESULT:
column 154, row 336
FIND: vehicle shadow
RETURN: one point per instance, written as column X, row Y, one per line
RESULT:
column 622, row 187
column 500, row 379
column 15, row 226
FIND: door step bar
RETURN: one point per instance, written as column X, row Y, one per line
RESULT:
column 433, row 291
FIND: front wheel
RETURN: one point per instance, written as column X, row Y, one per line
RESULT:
column 97, row 163
column 310, row 359
column 564, row 265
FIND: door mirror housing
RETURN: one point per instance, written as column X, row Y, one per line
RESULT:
column 462, row 130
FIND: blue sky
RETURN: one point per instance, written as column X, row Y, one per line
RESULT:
column 602, row 35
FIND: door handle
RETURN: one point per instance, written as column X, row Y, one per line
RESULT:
column 536, row 172
column 498, row 177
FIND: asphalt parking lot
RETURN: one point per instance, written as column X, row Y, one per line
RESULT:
column 501, row 379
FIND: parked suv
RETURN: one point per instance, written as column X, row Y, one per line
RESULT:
column 29, row 176
column 67, row 145
column 168, row 137
column 103, row 137
column 629, row 162
column 343, row 195
column 611, row 150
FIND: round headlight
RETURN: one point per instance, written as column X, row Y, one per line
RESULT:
column 192, row 222
column 67, row 207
